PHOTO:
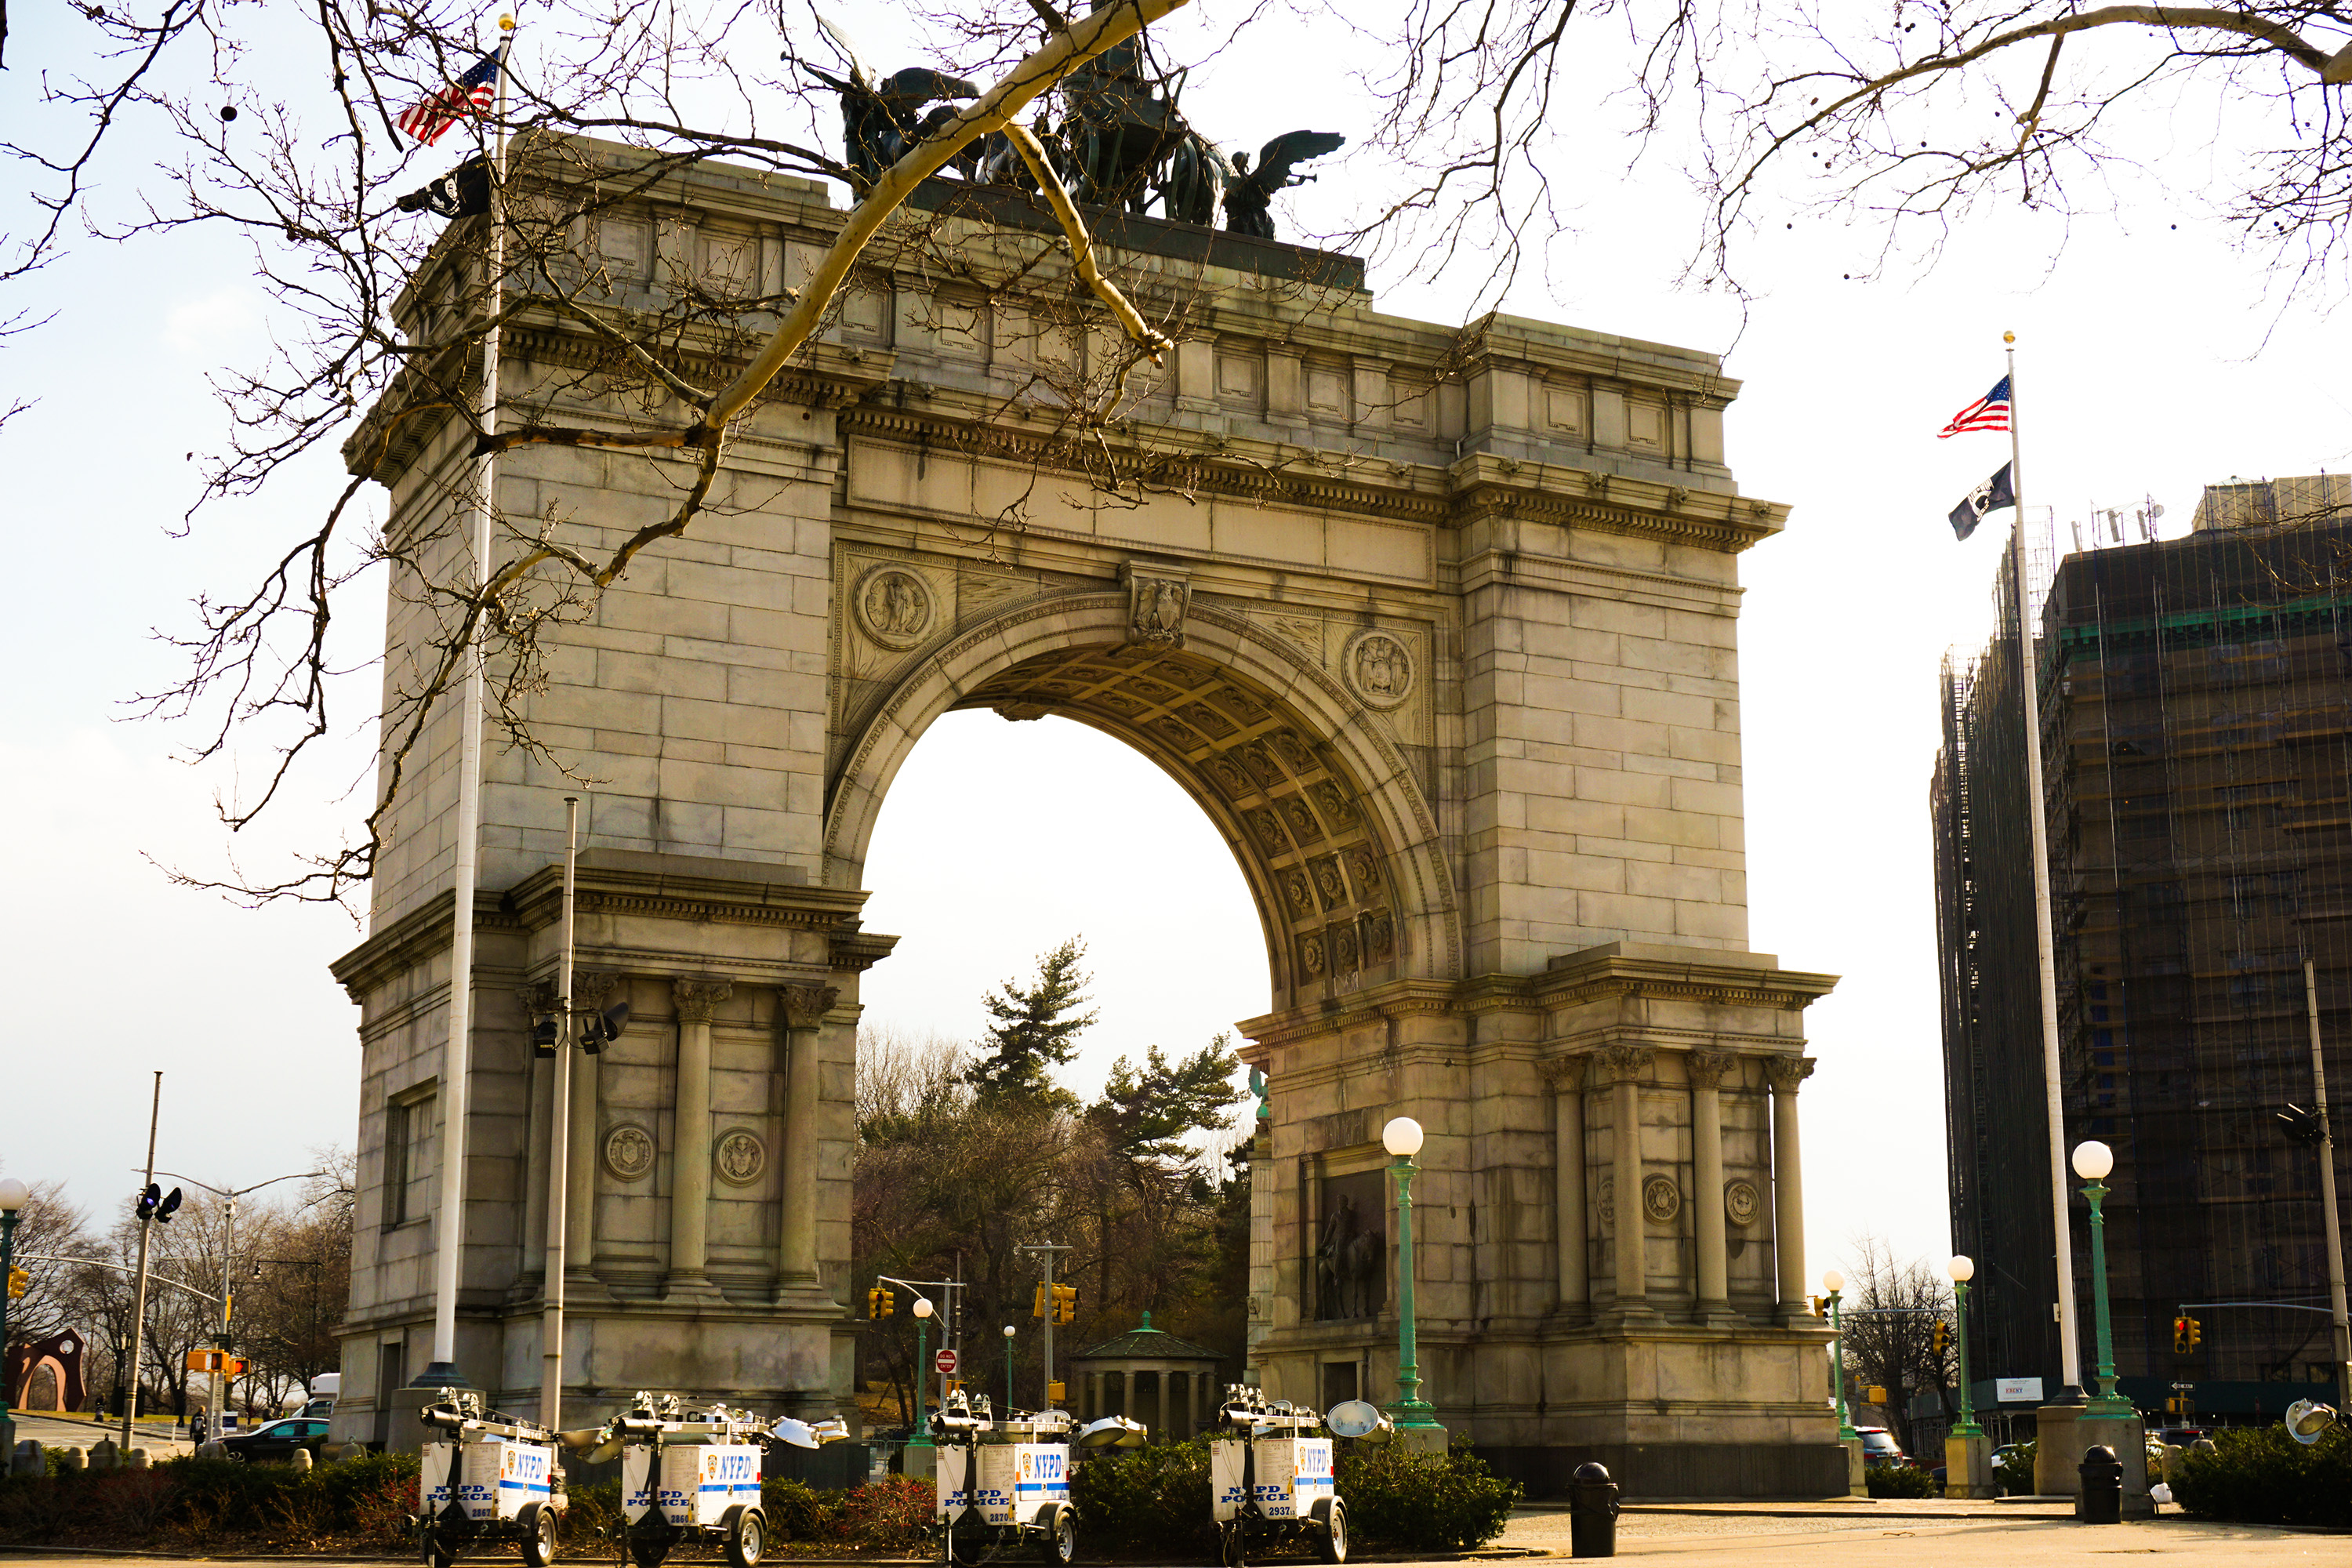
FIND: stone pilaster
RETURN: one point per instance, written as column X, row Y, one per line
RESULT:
column 689, row 1193
column 1622, row 1067
column 804, row 1008
column 1566, row 1075
column 1706, row 1069
column 1785, row 1073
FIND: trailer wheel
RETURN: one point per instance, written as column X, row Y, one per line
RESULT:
column 746, row 1536
column 1058, row 1527
column 648, row 1548
column 535, row 1520
column 1331, row 1517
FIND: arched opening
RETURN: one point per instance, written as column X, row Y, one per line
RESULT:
column 1317, row 802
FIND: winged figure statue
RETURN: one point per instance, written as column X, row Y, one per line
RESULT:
column 1249, row 194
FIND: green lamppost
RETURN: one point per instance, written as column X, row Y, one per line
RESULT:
column 13, row 1196
column 1964, row 1269
column 922, row 1438
column 1833, row 1281
column 1008, row 1368
column 2092, row 1161
column 1402, row 1138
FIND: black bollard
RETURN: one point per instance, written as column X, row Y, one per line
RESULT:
column 2103, row 1487
column 1592, row 1513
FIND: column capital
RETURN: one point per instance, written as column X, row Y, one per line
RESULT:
column 1707, row 1069
column 699, row 999
column 590, row 986
column 1622, row 1063
column 1565, row 1074
column 807, row 1006
column 1787, row 1072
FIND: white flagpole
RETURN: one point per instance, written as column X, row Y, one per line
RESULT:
column 2069, row 1354
column 456, row 1056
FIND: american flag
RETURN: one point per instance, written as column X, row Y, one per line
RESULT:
column 472, row 93
column 1989, row 412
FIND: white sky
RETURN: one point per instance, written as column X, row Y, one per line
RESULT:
column 2151, row 367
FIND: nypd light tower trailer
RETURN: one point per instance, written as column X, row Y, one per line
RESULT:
column 493, row 1479
column 1004, row 1484
column 1270, row 1481
column 694, row 1472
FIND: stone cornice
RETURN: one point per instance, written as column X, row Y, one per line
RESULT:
column 672, row 887
column 412, row 941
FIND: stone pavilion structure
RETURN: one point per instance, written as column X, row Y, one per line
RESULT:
column 1437, row 625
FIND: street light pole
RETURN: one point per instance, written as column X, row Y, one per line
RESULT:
column 1833, row 1281
column 1402, row 1138
column 1964, row 1269
column 1008, row 1368
column 219, row 1385
column 922, row 1438
column 139, row 1294
column 2092, row 1161
column 2343, row 1321
column 13, row 1196
column 559, row 1147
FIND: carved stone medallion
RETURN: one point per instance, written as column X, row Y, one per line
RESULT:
column 1741, row 1203
column 1661, row 1200
column 1605, row 1202
column 740, row 1157
column 894, row 606
column 1378, row 668
column 629, row 1152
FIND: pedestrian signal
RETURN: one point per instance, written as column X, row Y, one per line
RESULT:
column 880, row 1302
column 19, row 1282
column 1055, row 1393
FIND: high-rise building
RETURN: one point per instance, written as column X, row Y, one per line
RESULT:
column 2196, row 699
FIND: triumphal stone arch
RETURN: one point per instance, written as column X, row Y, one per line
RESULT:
column 1437, row 625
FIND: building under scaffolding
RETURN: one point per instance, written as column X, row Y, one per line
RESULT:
column 2196, row 751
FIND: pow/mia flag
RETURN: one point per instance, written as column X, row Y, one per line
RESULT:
column 1989, row 496
column 462, row 192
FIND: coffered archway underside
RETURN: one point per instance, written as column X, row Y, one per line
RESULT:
column 1315, row 801
column 1293, row 816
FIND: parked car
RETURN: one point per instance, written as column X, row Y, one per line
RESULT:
column 277, row 1440
column 1879, row 1447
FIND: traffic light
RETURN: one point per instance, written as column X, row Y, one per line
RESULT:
column 2180, row 1336
column 19, row 1281
column 2303, row 1126
column 1065, row 1303
column 2196, row 1333
column 1942, row 1338
column 880, row 1302
column 1037, row 1308
column 156, row 1205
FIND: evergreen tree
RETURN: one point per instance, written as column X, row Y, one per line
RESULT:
column 1037, row 1029
column 1148, row 1114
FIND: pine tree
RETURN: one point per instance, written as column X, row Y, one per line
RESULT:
column 1037, row 1029
column 1147, row 1115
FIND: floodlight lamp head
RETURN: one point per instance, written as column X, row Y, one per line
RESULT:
column 1833, row 1281
column 1402, row 1137
column 2307, row 1419
column 2094, row 1160
column 1962, row 1270
column 13, row 1194
column 922, row 1306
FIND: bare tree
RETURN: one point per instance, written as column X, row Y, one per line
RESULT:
column 1889, row 1322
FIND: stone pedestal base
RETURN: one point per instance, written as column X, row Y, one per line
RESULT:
column 1857, row 1468
column 2128, row 1437
column 1423, row 1439
column 917, row 1464
column 1968, row 1468
column 2057, row 1450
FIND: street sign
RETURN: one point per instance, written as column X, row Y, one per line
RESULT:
column 945, row 1361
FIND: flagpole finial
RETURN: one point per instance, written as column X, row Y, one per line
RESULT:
column 2009, row 337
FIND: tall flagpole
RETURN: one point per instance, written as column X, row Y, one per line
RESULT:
column 449, row 1227
column 2070, row 1355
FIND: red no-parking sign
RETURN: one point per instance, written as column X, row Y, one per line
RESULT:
column 946, row 1362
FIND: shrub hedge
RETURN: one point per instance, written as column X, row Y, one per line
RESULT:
column 1900, row 1480
column 356, row 1501
column 2259, row 1475
column 2015, row 1471
column 1154, row 1497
